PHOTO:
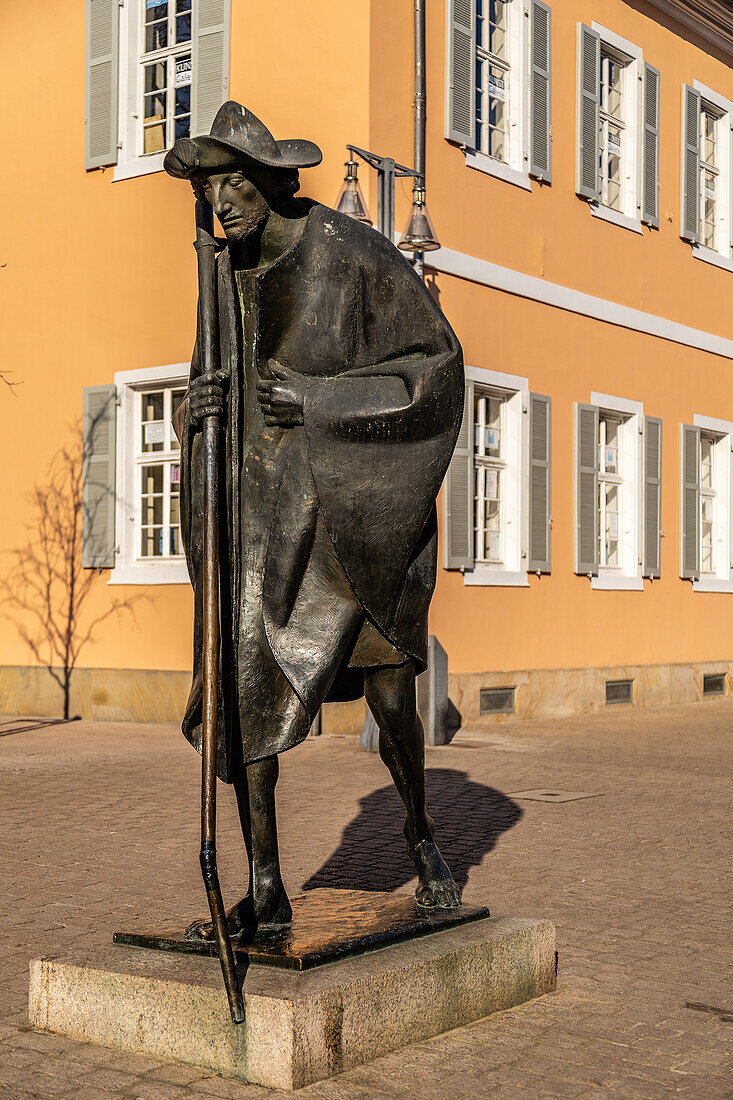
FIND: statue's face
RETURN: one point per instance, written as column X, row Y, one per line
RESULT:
column 237, row 203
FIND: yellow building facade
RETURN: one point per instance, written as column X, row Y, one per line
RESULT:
column 579, row 176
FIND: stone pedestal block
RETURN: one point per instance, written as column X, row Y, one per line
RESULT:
column 301, row 1026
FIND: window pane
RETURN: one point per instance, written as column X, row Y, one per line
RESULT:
column 612, row 75
column 709, row 182
column 176, row 398
column 182, row 126
column 153, row 427
column 706, row 462
column 706, row 534
column 155, row 106
column 497, row 93
column 492, row 438
column 183, row 28
column 155, row 10
column 175, row 541
column 611, row 531
column 493, row 531
column 497, row 28
column 610, row 451
column 709, row 139
column 480, row 105
column 152, row 483
column 155, row 76
column 183, row 71
column 156, row 36
column 612, row 173
column 151, row 542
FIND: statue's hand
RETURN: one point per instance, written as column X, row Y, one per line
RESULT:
column 207, row 397
column 281, row 396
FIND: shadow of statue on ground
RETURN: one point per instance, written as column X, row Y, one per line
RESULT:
column 372, row 855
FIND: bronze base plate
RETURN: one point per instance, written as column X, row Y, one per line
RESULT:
column 327, row 925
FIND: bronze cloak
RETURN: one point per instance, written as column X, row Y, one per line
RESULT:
column 328, row 533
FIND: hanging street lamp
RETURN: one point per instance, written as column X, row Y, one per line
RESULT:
column 351, row 200
column 419, row 235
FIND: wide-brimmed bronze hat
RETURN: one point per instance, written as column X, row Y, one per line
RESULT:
column 238, row 137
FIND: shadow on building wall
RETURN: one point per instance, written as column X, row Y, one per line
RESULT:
column 371, row 855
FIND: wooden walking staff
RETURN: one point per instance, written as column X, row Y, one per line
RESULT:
column 206, row 254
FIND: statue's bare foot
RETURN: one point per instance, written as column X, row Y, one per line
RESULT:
column 436, row 888
column 269, row 911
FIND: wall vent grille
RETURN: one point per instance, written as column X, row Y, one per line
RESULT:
column 714, row 684
column 619, row 691
column 496, row 701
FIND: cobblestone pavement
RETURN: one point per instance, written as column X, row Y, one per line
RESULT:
column 101, row 831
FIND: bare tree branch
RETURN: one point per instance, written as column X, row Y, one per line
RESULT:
column 46, row 589
column 10, row 382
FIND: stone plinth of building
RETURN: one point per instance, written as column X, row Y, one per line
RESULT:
column 301, row 1025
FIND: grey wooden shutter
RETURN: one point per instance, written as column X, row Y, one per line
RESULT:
column 460, row 92
column 689, row 501
column 540, row 119
column 99, row 462
column 458, row 495
column 587, row 175
column 102, row 50
column 210, row 62
column 538, row 488
column 650, row 148
column 690, row 182
column 652, row 496
column 586, row 488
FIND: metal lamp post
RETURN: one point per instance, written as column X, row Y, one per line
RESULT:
column 419, row 235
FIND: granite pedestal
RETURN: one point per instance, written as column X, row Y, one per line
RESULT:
column 302, row 1025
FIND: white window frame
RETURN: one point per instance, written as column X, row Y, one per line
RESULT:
column 722, row 579
column 515, row 169
column 722, row 256
column 132, row 161
column 512, row 571
column 627, row 576
column 129, row 567
column 629, row 217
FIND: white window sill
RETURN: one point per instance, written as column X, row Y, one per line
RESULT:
column 709, row 256
column 488, row 575
column 159, row 572
column 139, row 166
column 498, row 169
column 615, row 217
column 616, row 582
column 712, row 584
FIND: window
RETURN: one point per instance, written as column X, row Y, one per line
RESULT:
column 489, row 468
column 706, row 203
column 157, row 70
column 167, row 73
column 496, row 497
column 492, row 78
column 498, row 102
column 707, row 502
column 610, row 488
column 709, row 175
column 617, row 129
column 617, row 502
column 612, row 128
column 148, row 519
column 706, row 539
column 159, row 473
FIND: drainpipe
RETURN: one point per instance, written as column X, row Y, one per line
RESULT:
column 419, row 107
